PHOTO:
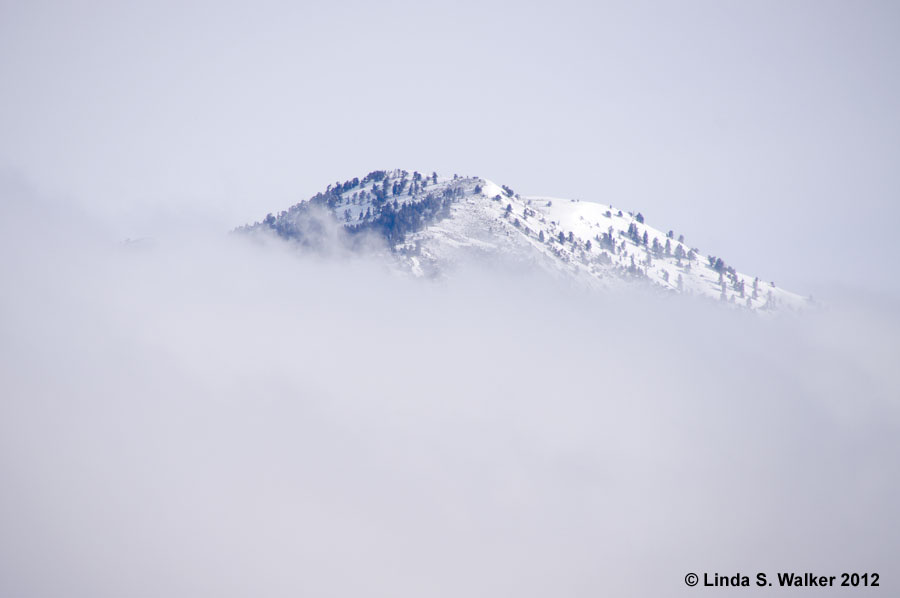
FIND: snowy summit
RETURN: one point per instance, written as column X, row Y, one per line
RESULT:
column 430, row 222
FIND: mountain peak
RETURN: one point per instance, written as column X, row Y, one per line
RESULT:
column 429, row 222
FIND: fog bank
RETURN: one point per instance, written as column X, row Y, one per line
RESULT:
column 207, row 415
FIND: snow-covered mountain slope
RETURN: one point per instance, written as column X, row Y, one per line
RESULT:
column 430, row 223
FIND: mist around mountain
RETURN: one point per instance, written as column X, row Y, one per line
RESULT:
column 233, row 415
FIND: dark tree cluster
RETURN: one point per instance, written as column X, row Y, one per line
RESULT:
column 398, row 187
column 453, row 192
column 299, row 223
column 394, row 221
column 375, row 176
column 607, row 241
column 716, row 263
column 345, row 186
column 634, row 235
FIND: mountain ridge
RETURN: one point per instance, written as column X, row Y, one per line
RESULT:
column 428, row 223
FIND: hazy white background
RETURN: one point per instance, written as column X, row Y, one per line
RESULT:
column 201, row 415
column 766, row 132
column 210, row 416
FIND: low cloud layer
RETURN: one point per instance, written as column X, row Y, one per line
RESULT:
column 208, row 415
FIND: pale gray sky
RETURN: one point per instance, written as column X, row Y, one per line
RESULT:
column 766, row 132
